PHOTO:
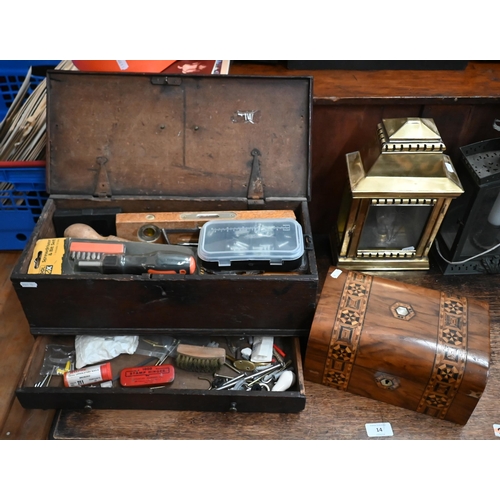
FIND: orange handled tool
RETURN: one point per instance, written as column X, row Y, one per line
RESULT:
column 160, row 262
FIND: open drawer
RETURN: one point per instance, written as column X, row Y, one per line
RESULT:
column 189, row 390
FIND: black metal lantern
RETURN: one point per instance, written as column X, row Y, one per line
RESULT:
column 469, row 239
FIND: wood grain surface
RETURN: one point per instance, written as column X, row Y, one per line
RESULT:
column 15, row 347
column 478, row 79
column 434, row 359
column 329, row 414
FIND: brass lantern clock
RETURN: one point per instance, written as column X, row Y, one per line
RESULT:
column 400, row 188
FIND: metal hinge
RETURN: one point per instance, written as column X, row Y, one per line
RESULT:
column 255, row 192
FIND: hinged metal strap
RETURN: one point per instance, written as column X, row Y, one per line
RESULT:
column 255, row 192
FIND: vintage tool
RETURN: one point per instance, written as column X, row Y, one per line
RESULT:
column 67, row 256
column 279, row 354
column 147, row 376
column 253, row 377
column 161, row 262
column 46, row 380
column 200, row 358
column 85, row 232
column 169, row 351
column 268, row 376
column 181, row 227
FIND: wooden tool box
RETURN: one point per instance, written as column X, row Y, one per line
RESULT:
column 139, row 143
column 406, row 345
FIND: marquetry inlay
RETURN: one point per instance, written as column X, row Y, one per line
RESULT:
column 346, row 330
column 450, row 360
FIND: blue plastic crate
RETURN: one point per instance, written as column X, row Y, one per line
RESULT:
column 22, row 198
column 12, row 75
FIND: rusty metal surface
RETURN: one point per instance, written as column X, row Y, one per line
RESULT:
column 120, row 134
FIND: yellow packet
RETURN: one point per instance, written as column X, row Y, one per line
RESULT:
column 48, row 256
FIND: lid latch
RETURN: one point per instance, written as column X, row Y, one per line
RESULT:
column 255, row 192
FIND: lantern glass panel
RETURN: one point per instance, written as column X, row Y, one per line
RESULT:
column 394, row 226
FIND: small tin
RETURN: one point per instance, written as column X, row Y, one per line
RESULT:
column 254, row 244
column 147, row 376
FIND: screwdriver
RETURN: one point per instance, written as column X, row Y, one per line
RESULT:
column 160, row 262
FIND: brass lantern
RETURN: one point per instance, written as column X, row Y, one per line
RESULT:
column 400, row 187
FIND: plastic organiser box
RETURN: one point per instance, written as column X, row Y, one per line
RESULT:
column 12, row 75
column 22, row 197
column 258, row 244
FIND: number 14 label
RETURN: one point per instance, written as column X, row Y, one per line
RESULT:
column 379, row 429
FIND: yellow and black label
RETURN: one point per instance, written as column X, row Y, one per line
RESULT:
column 48, row 256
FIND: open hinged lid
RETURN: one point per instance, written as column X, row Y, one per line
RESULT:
column 142, row 135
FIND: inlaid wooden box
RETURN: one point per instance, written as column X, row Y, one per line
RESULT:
column 413, row 347
column 139, row 143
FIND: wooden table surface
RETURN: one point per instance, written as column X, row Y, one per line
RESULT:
column 329, row 413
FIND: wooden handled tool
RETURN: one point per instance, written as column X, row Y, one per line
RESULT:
column 83, row 231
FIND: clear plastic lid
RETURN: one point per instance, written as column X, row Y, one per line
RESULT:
column 276, row 241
